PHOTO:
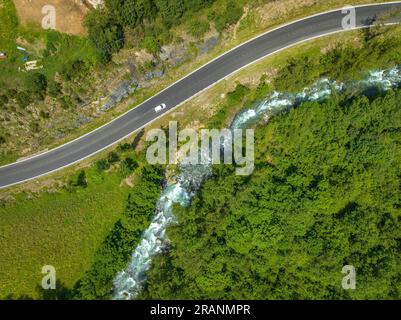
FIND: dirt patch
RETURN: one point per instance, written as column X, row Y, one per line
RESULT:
column 69, row 13
column 277, row 10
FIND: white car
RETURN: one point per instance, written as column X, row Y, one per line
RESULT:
column 160, row 107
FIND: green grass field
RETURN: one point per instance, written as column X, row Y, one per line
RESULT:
column 62, row 229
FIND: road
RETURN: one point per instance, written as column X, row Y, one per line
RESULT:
column 209, row 74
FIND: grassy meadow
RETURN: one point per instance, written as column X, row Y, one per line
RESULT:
column 62, row 229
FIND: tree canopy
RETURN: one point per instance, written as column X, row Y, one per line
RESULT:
column 326, row 192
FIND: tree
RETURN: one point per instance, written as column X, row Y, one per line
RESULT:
column 105, row 33
column 325, row 193
column 130, row 12
column 170, row 10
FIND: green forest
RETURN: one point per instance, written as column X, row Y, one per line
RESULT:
column 326, row 192
column 147, row 23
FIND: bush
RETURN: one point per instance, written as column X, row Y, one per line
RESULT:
column 105, row 33
column 74, row 69
column 2, row 140
column 124, row 147
column 24, row 99
column 65, row 102
column 128, row 165
column 35, row 127
column 233, row 12
column 102, row 165
column 151, row 44
column 240, row 92
column 3, row 99
column 12, row 93
column 54, row 88
column 231, row 15
column 197, row 28
column 263, row 88
column 44, row 114
column 300, row 72
column 113, row 158
column 38, row 84
column 81, row 180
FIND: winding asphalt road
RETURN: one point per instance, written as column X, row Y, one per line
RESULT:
column 218, row 69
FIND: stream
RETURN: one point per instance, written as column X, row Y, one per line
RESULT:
column 129, row 282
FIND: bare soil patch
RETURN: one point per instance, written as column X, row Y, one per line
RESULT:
column 69, row 13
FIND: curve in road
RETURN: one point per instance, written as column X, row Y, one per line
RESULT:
column 232, row 61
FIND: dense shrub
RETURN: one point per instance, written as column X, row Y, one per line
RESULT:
column 344, row 62
column 105, row 34
column 230, row 15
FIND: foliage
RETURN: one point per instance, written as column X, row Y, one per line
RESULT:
column 197, row 28
column 238, row 94
column 79, row 180
column 151, row 44
column 231, row 15
column 38, row 84
column 74, row 69
column 326, row 192
column 113, row 157
column 104, row 33
column 102, row 165
column 24, row 98
column 343, row 62
column 151, row 18
column 115, row 252
column 263, row 88
column 128, row 165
